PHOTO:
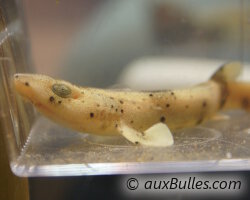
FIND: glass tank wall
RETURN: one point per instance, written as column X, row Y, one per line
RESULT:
column 137, row 44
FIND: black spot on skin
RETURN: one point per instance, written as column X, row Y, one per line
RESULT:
column 151, row 95
column 112, row 106
column 122, row 111
column 16, row 76
column 167, row 105
column 187, row 106
column 111, row 97
column 27, row 83
column 245, row 102
column 116, row 125
column 138, row 107
column 204, row 104
column 121, row 101
column 51, row 99
column 98, row 105
column 136, row 142
column 116, row 109
column 172, row 93
column 59, row 102
column 162, row 119
column 131, row 121
column 91, row 115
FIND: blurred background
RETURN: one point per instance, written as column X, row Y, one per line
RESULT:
column 142, row 44
column 95, row 42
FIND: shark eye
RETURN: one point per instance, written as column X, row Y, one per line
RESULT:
column 61, row 90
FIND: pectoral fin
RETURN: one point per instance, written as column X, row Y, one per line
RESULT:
column 158, row 135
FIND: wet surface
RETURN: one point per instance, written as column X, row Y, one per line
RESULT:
column 52, row 145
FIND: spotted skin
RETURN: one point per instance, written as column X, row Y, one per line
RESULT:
column 101, row 112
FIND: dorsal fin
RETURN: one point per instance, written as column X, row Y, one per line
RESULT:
column 228, row 72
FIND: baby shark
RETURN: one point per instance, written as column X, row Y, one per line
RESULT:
column 145, row 118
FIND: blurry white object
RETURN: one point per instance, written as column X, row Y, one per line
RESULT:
column 155, row 73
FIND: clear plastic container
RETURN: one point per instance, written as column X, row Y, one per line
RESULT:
column 142, row 44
